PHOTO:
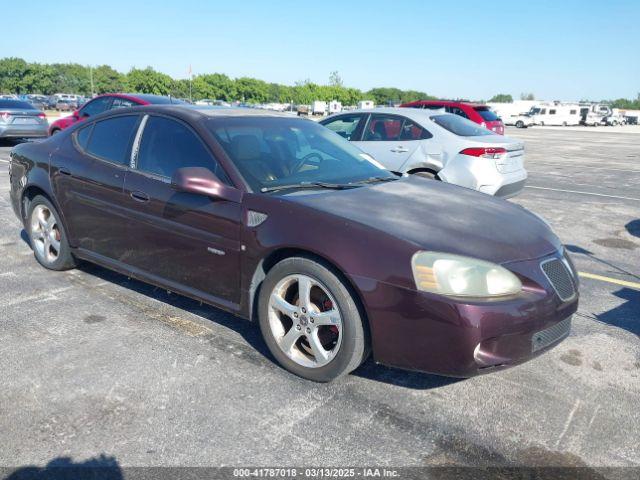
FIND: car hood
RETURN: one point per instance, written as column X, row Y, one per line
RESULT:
column 440, row 217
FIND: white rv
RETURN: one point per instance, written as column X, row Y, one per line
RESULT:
column 366, row 104
column 335, row 107
column 556, row 113
column 594, row 114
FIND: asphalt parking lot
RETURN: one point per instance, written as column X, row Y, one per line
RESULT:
column 94, row 363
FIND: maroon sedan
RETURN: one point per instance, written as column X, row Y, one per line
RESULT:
column 109, row 101
column 279, row 220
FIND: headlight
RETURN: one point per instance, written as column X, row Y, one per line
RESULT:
column 455, row 275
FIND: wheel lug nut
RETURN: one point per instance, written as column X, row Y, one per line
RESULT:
column 311, row 320
column 298, row 327
column 304, row 310
column 295, row 314
column 308, row 330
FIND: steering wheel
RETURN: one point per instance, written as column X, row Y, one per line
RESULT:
column 296, row 168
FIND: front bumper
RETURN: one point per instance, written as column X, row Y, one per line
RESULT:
column 431, row 333
column 23, row 131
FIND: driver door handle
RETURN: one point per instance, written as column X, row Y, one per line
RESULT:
column 140, row 197
column 400, row 149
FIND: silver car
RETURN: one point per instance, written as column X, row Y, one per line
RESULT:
column 436, row 144
column 20, row 119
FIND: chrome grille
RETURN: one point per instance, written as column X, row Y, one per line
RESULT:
column 550, row 335
column 560, row 278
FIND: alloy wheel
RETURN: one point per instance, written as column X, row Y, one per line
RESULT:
column 45, row 234
column 305, row 320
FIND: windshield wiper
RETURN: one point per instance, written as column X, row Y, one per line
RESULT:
column 308, row 185
column 375, row 180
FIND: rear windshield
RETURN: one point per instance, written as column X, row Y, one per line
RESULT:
column 160, row 100
column 460, row 126
column 15, row 104
column 486, row 114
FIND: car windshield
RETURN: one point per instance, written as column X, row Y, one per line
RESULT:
column 486, row 114
column 15, row 104
column 460, row 126
column 271, row 151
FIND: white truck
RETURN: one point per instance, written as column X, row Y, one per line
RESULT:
column 319, row 108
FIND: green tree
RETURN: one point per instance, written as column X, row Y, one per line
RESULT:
column 107, row 80
column 149, row 81
column 215, row 86
column 252, row 90
column 502, row 98
column 12, row 70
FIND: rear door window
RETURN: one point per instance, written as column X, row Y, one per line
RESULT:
column 111, row 139
column 168, row 144
column 458, row 111
column 412, row 131
column 383, row 128
column 122, row 103
column 83, row 135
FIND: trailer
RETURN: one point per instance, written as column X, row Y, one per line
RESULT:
column 319, row 108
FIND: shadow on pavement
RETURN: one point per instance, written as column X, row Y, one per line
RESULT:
column 250, row 332
column 582, row 251
column 625, row 315
column 63, row 468
column 633, row 227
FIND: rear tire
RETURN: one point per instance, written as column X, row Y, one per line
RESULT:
column 54, row 131
column 519, row 124
column 318, row 335
column 47, row 235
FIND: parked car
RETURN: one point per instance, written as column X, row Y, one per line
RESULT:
column 521, row 120
column 37, row 101
column 480, row 114
column 438, row 145
column 277, row 219
column 66, row 105
column 19, row 119
column 109, row 101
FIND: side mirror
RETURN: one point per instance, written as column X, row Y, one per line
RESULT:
column 203, row 181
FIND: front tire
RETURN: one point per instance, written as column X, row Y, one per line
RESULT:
column 47, row 235
column 310, row 320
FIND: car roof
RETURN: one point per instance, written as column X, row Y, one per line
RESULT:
column 413, row 113
column 449, row 103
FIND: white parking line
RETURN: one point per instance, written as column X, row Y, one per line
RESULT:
column 583, row 193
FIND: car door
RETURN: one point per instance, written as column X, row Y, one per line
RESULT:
column 183, row 240
column 88, row 178
column 383, row 139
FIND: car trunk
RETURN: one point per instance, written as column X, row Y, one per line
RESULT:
column 512, row 160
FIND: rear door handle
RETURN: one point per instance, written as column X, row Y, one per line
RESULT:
column 140, row 197
column 400, row 150
column 64, row 171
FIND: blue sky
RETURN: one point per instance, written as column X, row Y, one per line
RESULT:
column 563, row 49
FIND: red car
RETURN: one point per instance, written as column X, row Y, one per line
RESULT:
column 108, row 101
column 478, row 113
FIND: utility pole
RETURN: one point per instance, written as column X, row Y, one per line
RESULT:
column 91, row 79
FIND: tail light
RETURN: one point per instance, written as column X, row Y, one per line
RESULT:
column 484, row 152
column 4, row 116
column 483, row 124
column 42, row 115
